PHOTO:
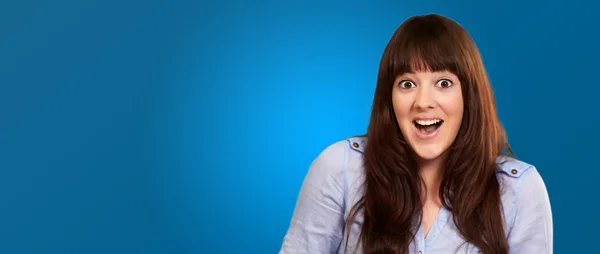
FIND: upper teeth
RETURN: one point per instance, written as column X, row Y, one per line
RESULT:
column 428, row 122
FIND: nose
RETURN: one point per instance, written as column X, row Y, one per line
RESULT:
column 424, row 98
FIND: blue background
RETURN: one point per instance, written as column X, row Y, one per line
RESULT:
column 187, row 127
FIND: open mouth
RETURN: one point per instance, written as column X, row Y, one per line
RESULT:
column 428, row 126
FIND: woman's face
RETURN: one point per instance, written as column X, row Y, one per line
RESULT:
column 429, row 110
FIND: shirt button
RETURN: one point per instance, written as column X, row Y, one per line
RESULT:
column 355, row 145
column 514, row 171
column 420, row 252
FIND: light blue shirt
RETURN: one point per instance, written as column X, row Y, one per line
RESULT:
column 333, row 185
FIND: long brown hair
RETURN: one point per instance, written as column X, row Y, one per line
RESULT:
column 392, row 200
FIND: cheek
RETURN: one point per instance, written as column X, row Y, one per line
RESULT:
column 453, row 106
column 456, row 110
column 401, row 108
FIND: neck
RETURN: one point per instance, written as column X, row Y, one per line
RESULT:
column 431, row 173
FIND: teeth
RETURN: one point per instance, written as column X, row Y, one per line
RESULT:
column 428, row 122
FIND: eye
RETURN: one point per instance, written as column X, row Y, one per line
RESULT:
column 444, row 83
column 406, row 84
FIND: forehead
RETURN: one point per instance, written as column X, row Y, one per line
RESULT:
column 425, row 74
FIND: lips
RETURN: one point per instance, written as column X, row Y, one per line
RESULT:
column 427, row 128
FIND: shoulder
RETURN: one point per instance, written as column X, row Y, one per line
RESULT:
column 341, row 150
column 512, row 167
column 513, row 173
column 522, row 187
column 526, row 205
column 340, row 155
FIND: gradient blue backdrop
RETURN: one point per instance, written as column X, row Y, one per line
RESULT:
column 182, row 127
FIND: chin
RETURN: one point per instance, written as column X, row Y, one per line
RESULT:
column 428, row 152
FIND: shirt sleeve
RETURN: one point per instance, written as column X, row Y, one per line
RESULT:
column 318, row 219
column 532, row 228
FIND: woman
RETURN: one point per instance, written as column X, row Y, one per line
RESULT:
column 434, row 173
